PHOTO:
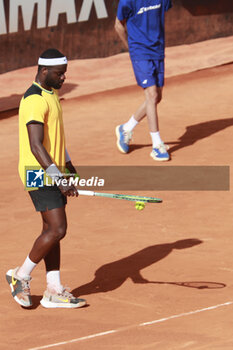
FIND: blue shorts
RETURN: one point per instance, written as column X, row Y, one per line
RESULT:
column 149, row 72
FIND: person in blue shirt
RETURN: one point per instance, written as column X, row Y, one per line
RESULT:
column 140, row 26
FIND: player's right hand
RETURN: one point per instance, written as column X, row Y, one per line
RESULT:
column 68, row 190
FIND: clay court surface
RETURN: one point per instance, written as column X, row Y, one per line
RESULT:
column 130, row 265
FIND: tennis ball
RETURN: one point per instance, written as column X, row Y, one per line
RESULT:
column 139, row 205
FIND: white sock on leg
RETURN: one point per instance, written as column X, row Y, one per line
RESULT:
column 54, row 280
column 156, row 140
column 130, row 124
column 26, row 269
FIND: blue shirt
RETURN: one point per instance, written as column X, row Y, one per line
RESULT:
column 145, row 27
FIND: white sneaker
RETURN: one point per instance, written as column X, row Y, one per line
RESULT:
column 160, row 153
column 20, row 287
column 52, row 299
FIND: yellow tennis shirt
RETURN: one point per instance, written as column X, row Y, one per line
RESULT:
column 42, row 106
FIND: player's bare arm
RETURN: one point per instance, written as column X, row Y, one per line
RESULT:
column 36, row 136
column 120, row 27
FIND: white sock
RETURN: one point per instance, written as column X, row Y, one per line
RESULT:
column 54, row 280
column 130, row 124
column 156, row 140
column 26, row 269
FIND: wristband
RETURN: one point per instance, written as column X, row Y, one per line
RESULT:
column 53, row 172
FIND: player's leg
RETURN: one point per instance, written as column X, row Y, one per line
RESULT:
column 124, row 131
column 141, row 111
column 150, row 76
column 54, row 228
column 51, row 203
column 48, row 242
column 52, row 261
column 154, row 70
column 49, row 238
column 153, row 96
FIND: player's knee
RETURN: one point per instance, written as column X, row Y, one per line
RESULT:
column 154, row 99
column 151, row 97
column 59, row 231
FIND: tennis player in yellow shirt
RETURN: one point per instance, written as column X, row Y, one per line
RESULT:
column 42, row 154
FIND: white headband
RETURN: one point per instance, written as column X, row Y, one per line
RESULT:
column 52, row 61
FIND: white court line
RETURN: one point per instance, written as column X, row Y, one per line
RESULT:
column 133, row 326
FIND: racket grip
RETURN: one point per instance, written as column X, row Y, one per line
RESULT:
column 86, row 193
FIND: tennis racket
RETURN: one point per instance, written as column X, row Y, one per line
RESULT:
column 121, row 196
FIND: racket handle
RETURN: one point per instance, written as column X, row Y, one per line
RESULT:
column 86, row 193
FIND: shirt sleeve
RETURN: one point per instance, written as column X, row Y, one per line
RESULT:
column 124, row 10
column 35, row 109
column 168, row 5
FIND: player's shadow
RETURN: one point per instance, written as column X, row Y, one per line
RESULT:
column 192, row 134
column 14, row 100
column 35, row 302
column 194, row 284
column 200, row 131
column 111, row 276
column 134, row 147
column 207, row 7
column 9, row 113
